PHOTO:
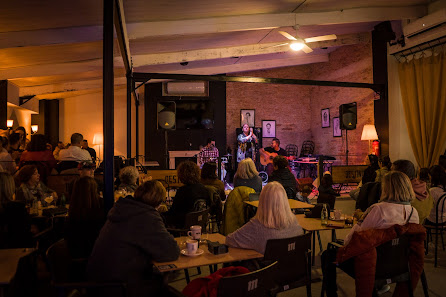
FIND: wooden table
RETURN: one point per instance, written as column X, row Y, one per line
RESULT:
column 294, row 204
column 9, row 258
column 184, row 262
column 314, row 225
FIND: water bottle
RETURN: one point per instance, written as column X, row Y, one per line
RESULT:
column 324, row 215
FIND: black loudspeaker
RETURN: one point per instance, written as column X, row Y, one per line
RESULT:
column 166, row 112
column 347, row 116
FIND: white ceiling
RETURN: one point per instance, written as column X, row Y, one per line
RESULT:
column 53, row 48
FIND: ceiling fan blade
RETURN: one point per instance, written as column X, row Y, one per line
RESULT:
column 282, row 44
column 321, row 38
column 287, row 35
column 306, row 49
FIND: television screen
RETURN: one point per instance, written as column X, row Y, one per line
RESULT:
column 194, row 114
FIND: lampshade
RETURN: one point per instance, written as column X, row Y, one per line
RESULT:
column 9, row 123
column 98, row 138
column 34, row 128
column 369, row 133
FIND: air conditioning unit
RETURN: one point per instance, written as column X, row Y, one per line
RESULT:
column 425, row 23
column 186, row 88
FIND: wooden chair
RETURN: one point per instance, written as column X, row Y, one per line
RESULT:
column 256, row 284
column 294, row 262
column 436, row 229
column 69, row 274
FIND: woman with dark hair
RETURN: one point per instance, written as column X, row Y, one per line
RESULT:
column 384, row 167
column 193, row 196
column 133, row 236
column 86, row 217
column 23, row 140
column 38, row 152
column 437, row 190
column 31, row 189
column 283, row 175
column 370, row 172
column 209, row 178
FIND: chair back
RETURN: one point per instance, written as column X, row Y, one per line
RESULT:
column 440, row 205
column 392, row 263
column 257, row 283
column 307, row 148
column 291, row 150
column 327, row 199
column 199, row 218
column 294, row 260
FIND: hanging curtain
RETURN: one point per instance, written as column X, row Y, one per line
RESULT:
column 423, row 90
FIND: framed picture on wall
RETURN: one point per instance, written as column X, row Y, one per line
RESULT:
column 247, row 116
column 268, row 129
column 337, row 132
column 325, row 116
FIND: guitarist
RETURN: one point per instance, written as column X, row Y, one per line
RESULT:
column 267, row 155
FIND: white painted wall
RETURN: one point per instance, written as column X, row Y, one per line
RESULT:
column 83, row 114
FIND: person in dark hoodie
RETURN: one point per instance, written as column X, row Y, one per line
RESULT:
column 283, row 175
column 134, row 236
column 423, row 202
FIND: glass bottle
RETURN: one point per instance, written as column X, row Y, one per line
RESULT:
column 63, row 200
column 324, row 215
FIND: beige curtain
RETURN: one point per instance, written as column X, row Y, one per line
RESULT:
column 423, row 90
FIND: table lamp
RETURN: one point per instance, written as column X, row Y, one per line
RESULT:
column 9, row 123
column 34, row 128
column 98, row 139
column 369, row 133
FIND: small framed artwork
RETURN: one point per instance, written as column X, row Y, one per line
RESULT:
column 268, row 128
column 325, row 116
column 247, row 116
column 337, row 132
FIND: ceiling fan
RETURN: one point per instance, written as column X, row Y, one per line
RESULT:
column 297, row 43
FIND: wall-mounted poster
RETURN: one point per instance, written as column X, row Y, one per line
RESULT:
column 337, row 132
column 325, row 115
column 247, row 116
column 269, row 128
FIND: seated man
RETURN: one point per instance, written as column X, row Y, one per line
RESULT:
column 89, row 149
column 283, row 175
column 85, row 169
column 75, row 152
column 268, row 154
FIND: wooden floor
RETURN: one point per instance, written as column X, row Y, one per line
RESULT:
column 436, row 277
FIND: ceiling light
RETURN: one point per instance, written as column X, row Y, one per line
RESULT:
column 296, row 46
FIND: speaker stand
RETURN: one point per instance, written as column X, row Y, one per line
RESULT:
column 346, row 147
column 166, row 153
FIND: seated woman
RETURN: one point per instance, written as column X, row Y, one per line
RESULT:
column 385, row 165
column 133, row 236
column 31, row 188
column 248, row 176
column 394, row 208
column 86, row 217
column 38, row 152
column 129, row 179
column 193, row 196
column 438, row 189
column 209, row 178
column 326, row 192
column 273, row 220
column 283, row 175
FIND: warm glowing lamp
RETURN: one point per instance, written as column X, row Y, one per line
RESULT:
column 9, row 123
column 34, row 128
column 98, row 139
column 369, row 133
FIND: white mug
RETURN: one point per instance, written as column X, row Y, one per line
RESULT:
column 195, row 232
column 192, row 246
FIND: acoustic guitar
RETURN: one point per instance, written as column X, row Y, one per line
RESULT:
column 267, row 158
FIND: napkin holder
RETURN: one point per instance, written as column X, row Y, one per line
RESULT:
column 217, row 248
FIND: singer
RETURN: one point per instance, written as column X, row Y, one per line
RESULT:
column 209, row 153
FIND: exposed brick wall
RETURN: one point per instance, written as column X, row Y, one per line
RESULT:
column 297, row 109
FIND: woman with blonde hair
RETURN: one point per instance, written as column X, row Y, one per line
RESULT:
column 393, row 208
column 273, row 220
column 247, row 175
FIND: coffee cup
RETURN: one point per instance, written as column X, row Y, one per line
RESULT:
column 192, row 246
column 337, row 214
column 195, row 232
